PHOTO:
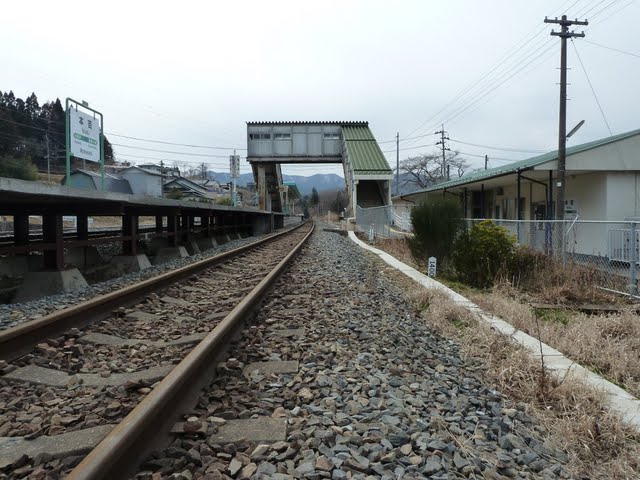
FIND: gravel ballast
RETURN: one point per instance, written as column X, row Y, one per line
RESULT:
column 377, row 394
column 14, row 314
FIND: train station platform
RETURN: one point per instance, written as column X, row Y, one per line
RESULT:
column 181, row 227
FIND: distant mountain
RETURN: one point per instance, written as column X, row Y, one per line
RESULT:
column 322, row 181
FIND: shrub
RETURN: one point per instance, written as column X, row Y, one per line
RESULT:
column 483, row 253
column 174, row 194
column 223, row 201
column 21, row 168
column 435, row 226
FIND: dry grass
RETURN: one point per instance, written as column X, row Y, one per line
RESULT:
column 572, row 413
column 545, row 279
column 607, row 344
column 399, row 248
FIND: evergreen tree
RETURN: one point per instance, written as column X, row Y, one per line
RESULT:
column 315, row 198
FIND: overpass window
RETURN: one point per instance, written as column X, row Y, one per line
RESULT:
column 259, row 136
column 282, row 136
column 332, row 136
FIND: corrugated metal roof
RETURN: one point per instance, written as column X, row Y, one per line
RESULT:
column 364, row 152
column 293, row 190
column 317, row 122
column 526, row 164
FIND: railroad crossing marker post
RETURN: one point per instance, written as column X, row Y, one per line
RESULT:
column 431, row 269
column 83, row 140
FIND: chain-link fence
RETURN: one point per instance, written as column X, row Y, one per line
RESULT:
column 375, row 221
column 610, row 249
column 387, row 221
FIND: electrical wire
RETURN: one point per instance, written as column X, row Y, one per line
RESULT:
column 503, row 69
column 602, row 20
column 32, row 127
column 119, row 135
column 505, row 149
column 611, row 48
column 502, row 60
column 170, row 151
column 466, row 105
column 591, row 85
column 494, row 86
column 595, row 15
column 173, row 143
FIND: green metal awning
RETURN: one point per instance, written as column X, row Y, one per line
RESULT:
column 293, row 190
column 363, row 151
column 524, row 164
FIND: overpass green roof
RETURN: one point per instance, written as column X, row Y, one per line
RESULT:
column 364, row 152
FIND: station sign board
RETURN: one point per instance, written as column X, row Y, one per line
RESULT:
column 84, row 141
column 234, row 165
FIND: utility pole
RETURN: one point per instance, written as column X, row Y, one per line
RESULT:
column 235, row 169
column 486, row 161
column 564, row 33
column 442, row 142
column 397, row 163
column 46, row 135
column 162, row 178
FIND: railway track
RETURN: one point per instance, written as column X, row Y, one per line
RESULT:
column 125, row 364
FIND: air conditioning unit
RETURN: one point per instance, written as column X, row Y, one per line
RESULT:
column 499, row 191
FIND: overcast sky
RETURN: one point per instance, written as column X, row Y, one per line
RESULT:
column 195, row 72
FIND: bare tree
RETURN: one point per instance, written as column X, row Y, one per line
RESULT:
column 425, row 170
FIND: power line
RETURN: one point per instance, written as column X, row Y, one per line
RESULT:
column 584, row 13
column 501, row 81
column 611, row 14
column 490, row 158
column 30, row 126
column 170, row 151
column 449, row 120
column 502, row 77
column 116, row 134
column 464, row 106
column 508, row 55
column 505, row 149
column 614, row 49
column 591, row 85
column 595, row 15
column 173, row 143
column 501, row 61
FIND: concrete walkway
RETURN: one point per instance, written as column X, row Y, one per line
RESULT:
column 620, row 401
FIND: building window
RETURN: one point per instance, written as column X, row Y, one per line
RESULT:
column 332, row 136
column 282, row 136
column 259, row 136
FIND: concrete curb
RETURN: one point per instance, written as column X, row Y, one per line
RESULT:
column 620, row 401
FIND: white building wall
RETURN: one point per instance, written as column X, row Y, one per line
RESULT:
column 621, row 155
column 589, row 195
column 622, row 195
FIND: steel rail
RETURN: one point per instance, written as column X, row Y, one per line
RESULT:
column 126, row 446
column 17, row 340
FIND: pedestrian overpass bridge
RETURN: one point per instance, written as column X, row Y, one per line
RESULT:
column 366, row 171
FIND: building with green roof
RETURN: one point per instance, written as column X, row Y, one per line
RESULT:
column 271, row 144
column 602, row 183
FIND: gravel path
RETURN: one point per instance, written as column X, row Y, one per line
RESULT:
column 16, row 313
column 377, row 393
